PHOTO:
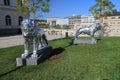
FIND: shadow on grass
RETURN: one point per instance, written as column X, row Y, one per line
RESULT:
column 98, row 39
column 11, row 71
column 55, row 52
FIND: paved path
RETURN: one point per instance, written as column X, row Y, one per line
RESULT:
column 18, row 40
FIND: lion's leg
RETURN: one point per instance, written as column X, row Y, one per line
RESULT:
column 92, row 36
column 40, row 42
column 26, row 48
column 77, row 34
column 35, row 47
column 44, row 40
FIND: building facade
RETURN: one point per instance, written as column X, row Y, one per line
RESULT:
column 52, row 21
column 62, row 21
column 74, row 19
column 88, row 18
column 84, row 20
column 113, row 28
column 9, row 21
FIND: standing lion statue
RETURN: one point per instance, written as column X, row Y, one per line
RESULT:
column 34, row 35
column 90, row 30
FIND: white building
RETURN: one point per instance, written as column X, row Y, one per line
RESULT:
column 84, row 20
column 81, row 19
column 74, row 19
column 52, row 21
column 62, row 21
column 87, row 18
column 9, row 21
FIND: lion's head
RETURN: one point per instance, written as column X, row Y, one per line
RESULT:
column 27, row 27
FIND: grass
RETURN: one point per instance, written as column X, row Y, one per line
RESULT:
column 99, row 61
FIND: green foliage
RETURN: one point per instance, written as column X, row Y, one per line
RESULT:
column 22, row 6
column 32, row 7
column 63, row 26
column 102, row 8
column 43, row 25
column 57, row 27
column 99, row 61
column 66, row 27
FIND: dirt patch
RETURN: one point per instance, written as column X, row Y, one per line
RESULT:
column 55, row 57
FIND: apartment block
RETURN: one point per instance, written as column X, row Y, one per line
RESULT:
column 74, row 19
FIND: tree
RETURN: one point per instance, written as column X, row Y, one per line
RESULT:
column 102, row 8
column 32, row 8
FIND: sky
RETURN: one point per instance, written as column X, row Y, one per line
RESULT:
column 65, row 8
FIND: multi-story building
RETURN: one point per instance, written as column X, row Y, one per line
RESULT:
column 53, row 21
column 9, row 21
column 87, row 18
column 62, row 21
column 74, row 19
column 113, row 27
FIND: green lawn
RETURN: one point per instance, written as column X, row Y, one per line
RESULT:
column 99, row 61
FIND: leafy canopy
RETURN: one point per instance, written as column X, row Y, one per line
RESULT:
column 102, row 8
column 33, row 7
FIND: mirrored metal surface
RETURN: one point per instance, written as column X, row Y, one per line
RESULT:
column 34, row 35
column 90, row 30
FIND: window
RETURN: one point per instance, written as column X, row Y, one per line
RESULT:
column 112, row 17
column 20, row 19
column 7, row 2
column 8, row 20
